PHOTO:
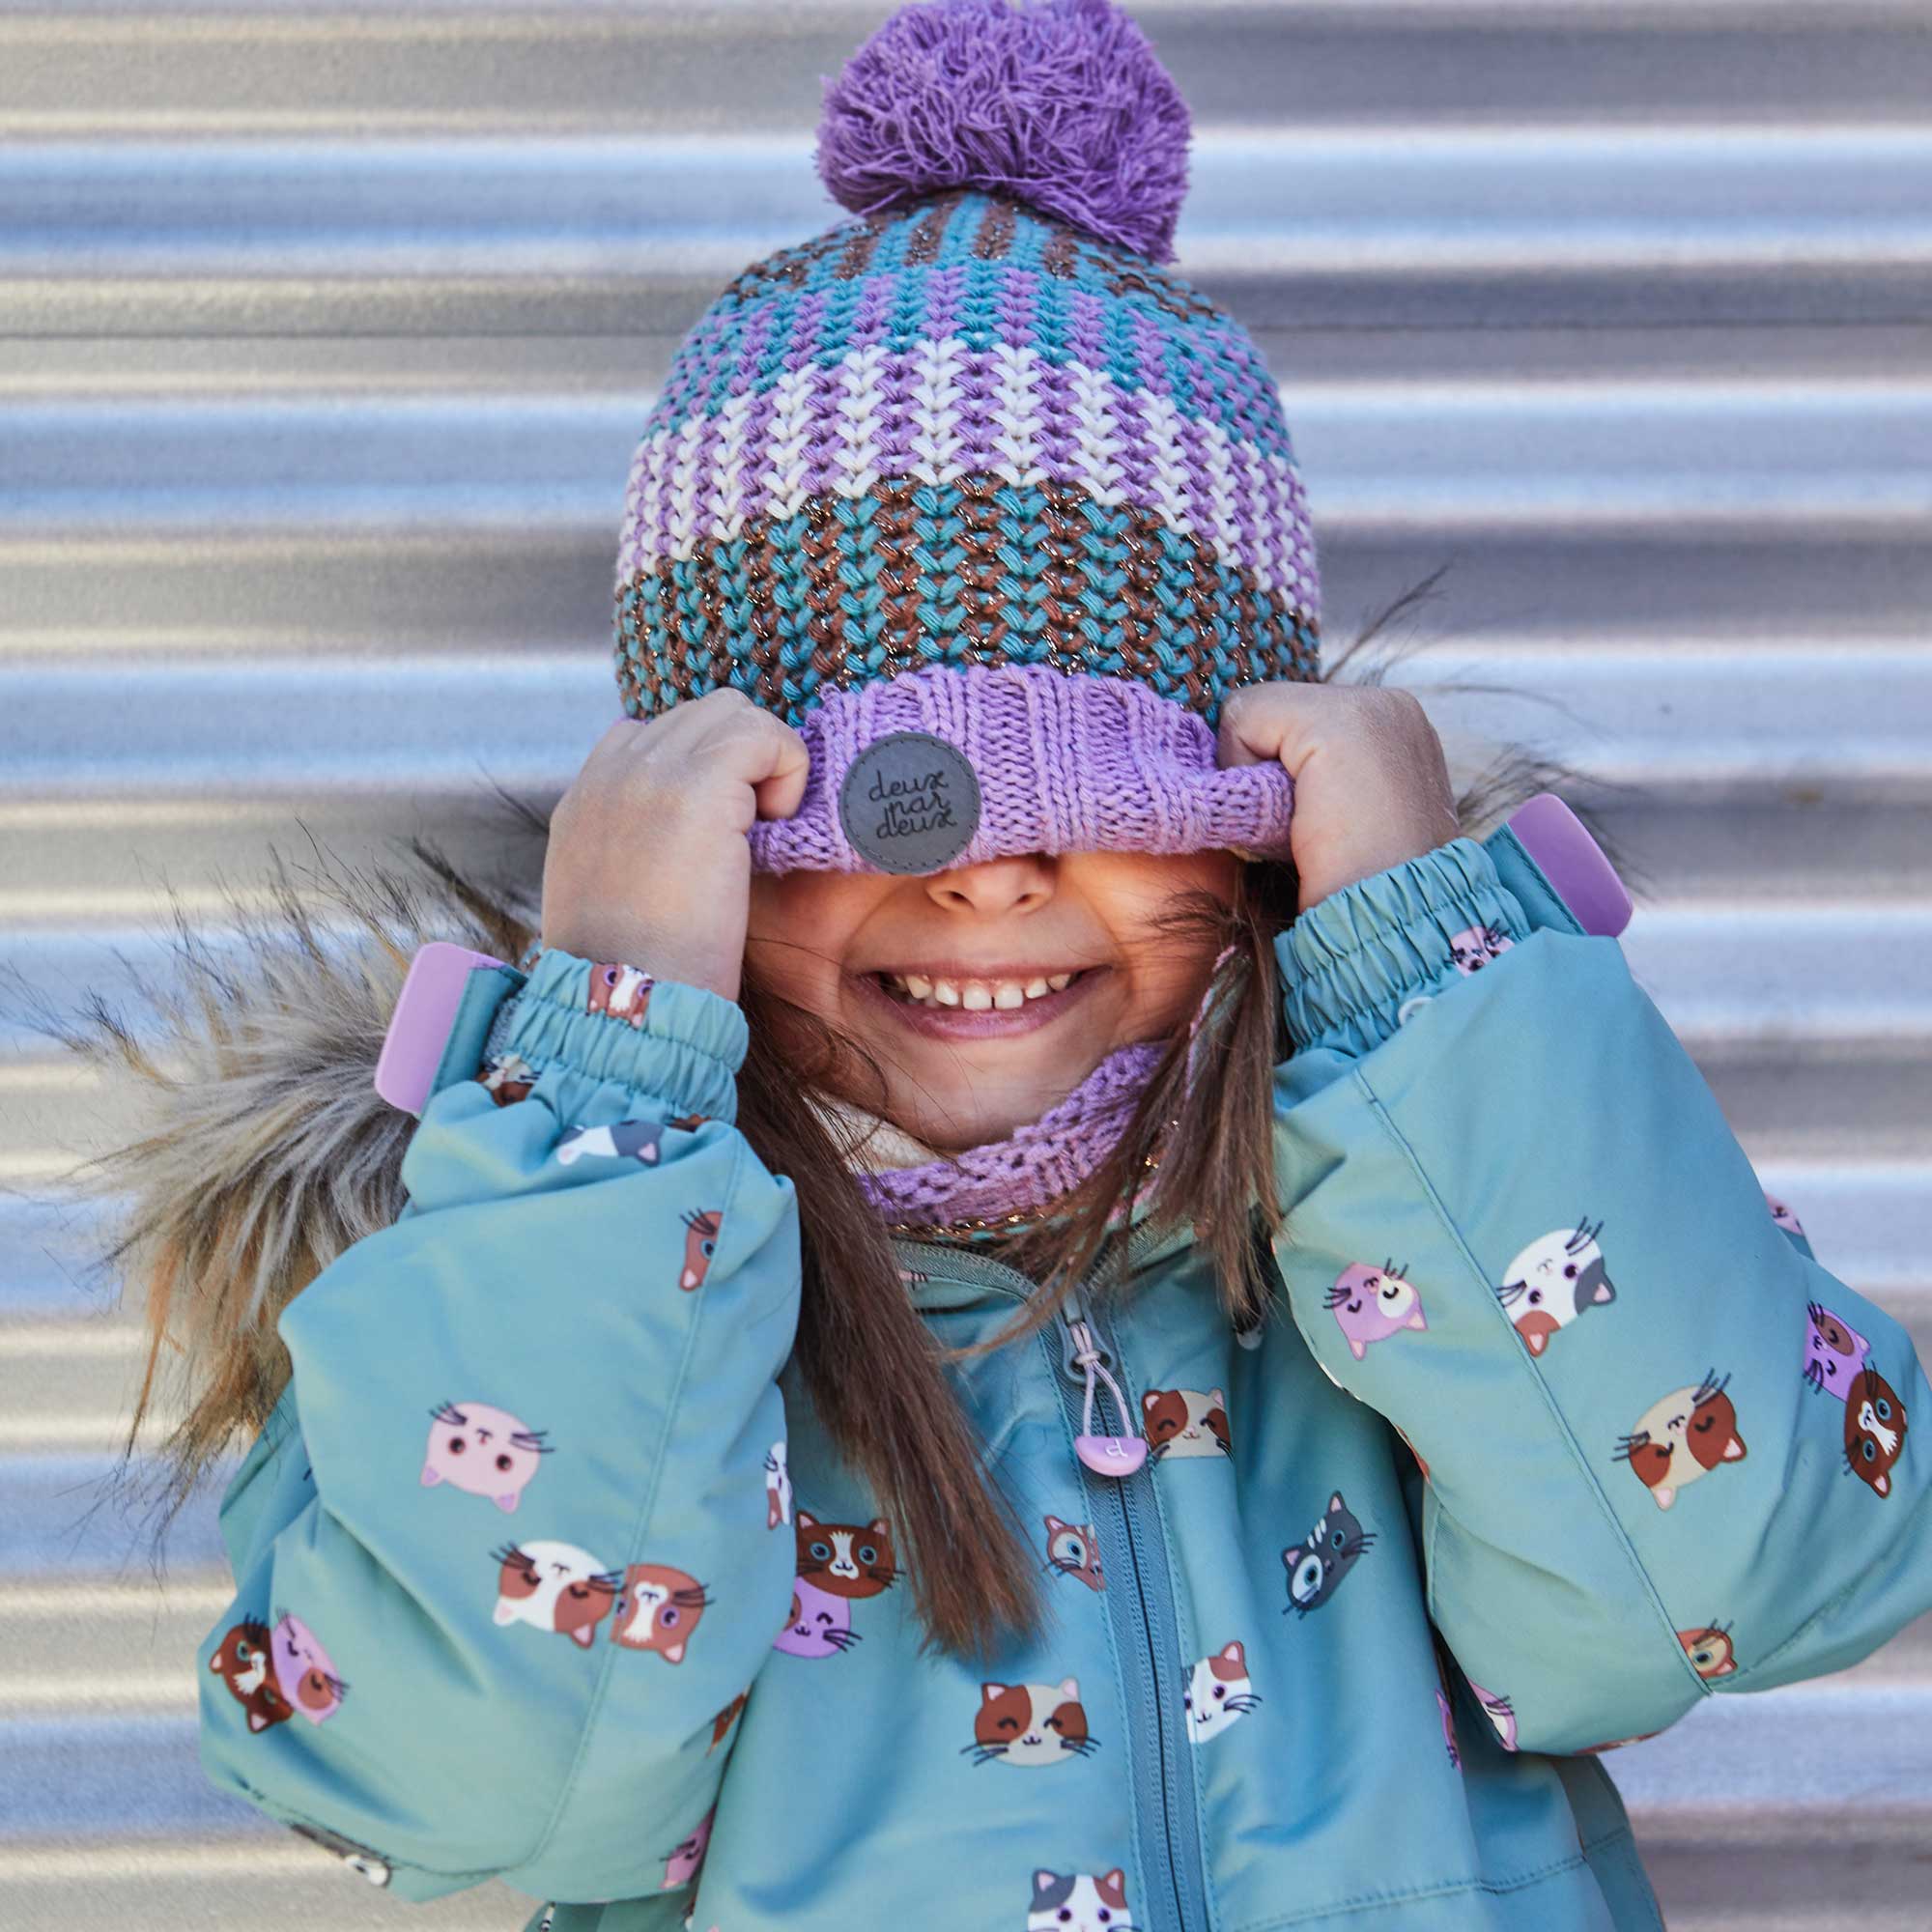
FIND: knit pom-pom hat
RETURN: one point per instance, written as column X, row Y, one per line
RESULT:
column 988, row 504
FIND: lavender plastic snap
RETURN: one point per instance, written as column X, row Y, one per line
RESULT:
column 1574, row 863
column 419, row 1027
column 1111, row 1455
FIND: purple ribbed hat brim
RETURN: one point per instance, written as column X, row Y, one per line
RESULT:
column 1064, row 763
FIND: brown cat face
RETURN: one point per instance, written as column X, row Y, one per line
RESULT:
column 843, row 1558
column 244, row 1663
column 1029, row 1724
column 1709, row 1650
column 1679, row 1439
column 1184, row 1422
column 1874, row 1431
column 658, row 1609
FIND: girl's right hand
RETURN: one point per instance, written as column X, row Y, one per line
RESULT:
column 648, row 864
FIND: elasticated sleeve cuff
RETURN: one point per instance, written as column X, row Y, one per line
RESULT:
column 678, row 1044
column 1354, row 961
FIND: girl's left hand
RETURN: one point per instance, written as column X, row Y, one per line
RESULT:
column 1370, row 784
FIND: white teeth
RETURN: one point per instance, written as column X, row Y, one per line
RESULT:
column 977, row 996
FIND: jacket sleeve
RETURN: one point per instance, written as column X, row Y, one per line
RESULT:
column 517, row 1538
column 1666, row 1453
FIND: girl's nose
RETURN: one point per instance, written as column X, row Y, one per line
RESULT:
column 1021, row 884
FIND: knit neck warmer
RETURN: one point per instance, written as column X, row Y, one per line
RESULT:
column 916, row 1186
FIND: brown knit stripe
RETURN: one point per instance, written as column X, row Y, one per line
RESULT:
column 863, row 239
column 1268, row 624
column 1062, row 255
column 996, row 231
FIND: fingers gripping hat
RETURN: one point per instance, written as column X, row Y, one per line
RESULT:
column 991, row 506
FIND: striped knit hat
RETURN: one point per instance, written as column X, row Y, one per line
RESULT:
column 987, row 503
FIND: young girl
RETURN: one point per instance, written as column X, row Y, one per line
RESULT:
column 979, row 1241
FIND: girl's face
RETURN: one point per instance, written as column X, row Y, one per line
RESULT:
column 987, row 992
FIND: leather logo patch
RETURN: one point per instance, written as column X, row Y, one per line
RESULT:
column 910, row 802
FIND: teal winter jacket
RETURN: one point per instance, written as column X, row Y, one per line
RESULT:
column 545, row 1571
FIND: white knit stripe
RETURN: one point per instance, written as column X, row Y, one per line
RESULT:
column 726, row 506
column 778, row 463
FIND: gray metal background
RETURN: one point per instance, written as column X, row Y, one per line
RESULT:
column 324, row 341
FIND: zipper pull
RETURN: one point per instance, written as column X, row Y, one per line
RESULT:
column 1116, row 1456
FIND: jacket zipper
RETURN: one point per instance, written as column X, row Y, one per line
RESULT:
column 1139, row 1596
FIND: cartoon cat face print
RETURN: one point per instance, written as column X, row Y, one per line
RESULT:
column 1784, row 1215
column 1681, row 1439
column 1316, row 1565
column 1874, row 1431
column 778, row 1487
column 1834, row 1350
column 1475, row 946
column 1709, row 1650
column 1553, row 1280
column 554, row 1586
column 242, row 1661
column 620, row 991
column 303, row 1670
column 820, row 1624
column 622, row 1140
column 1073, row 1551
column 1500, row 1712
column 844, row 1559
column 658, row 1608
column 508, row 1078
column 1448, row 1732
column 682, row 1867
column 1373, row 1303
column 1075, row 1902
column 485, row 1451
column 1219, row 1690
column 721, row 1724
column 1184, row 1422
column 1029, row 1724
column 701, row 1227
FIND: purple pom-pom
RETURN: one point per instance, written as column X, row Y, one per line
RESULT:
column 1063, row 107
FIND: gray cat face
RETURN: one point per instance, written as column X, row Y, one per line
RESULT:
column 1318, row 1563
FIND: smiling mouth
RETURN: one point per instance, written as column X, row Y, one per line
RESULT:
column 938, row 991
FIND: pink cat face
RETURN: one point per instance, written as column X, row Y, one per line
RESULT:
column 1474, row 948
column 1499, row 1711
column 483, row 1450
column 1373, row 1303
column 658, row 1609
column 305, row 1672
column 683, row 1864
column 1834, row 1350
column 820, row 1624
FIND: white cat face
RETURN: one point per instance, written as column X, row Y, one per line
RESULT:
column 1219, row 1690
column 1077, row 1903
column 778, row 1486
column 1552, row 1281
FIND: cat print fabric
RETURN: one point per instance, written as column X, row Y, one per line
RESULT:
column 482, row 1450
column 1681, row 1439
column 1474, row 946
column 622, row 1140
column 1030, row 1725
column 721, row 1724
column 508, row 1078
column 846, row 1559
column 1373, row 1303
column 1834, row 1352
column 700, row 1243
column 683, row 1865
column 303, row 1670
column 1553, row 1280
column 1316, row 1565
column 1075, row 1902
column 620, row 992
column 554, row 1586
column 1500, row 1712
column 820, row 1624
column 658, row 1609
column 1783, row 1216
column 1219, row 1692
column 243, row 1662
column 1073, row 1551
column 778, row 1488
column 1443, row 1712
column 1183, row 1422
column 1874, row 1431
column 1709, row 1650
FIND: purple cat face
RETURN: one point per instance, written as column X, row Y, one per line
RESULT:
column 820, row 1624
column 485, row 1451
column 1834, row 1350
column 305, row 1672
column 1373, row 1303
column 681, row 1867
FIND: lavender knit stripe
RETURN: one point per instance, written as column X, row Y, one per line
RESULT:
column 1068, row 422
column 1039, row 1163
column 1064, row 763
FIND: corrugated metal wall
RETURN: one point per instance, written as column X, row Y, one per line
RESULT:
column 324, row 339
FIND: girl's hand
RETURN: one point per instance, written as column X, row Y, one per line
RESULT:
column 1370, row 784
column 648, row 864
